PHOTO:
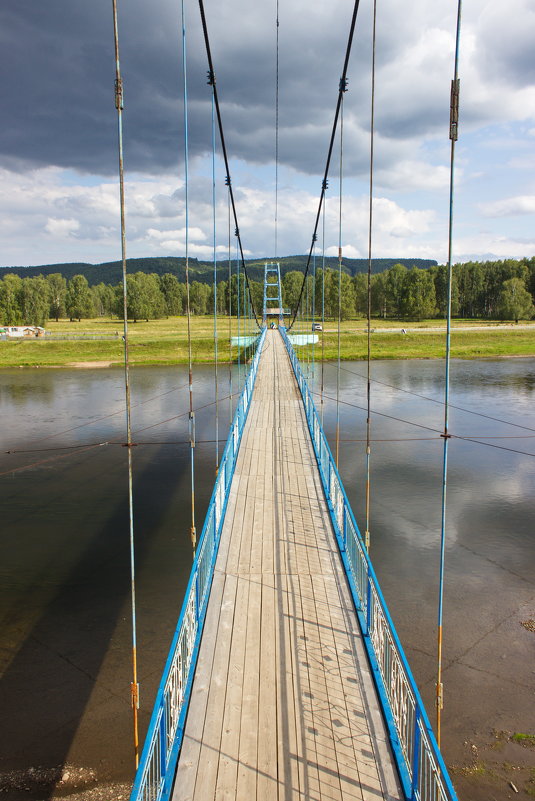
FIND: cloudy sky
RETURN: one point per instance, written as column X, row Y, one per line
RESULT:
column 58, row 136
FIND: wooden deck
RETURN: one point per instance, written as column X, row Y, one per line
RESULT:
column 282, row 706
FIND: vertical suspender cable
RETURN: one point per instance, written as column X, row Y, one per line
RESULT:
column 343, row 88
column 306, row 321
column 134, row 687
column 277, row 135
column 229, row 315
column 369, row 291
column 216, row 354
column 454, row 122
column 193, row 532
column 314, row 312
column 322, row 311
column 238, row 312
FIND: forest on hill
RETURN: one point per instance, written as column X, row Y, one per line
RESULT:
column 203, row 271
column 480, row 290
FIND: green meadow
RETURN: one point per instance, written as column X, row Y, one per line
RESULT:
column 165, row 341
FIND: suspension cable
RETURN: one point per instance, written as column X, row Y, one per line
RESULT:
column 216, row 354
column 454, row 120
column 339, row 339
column 369, row 293
column 193, row 532
column 341, row 89
column 119, row 105
column 212, row 82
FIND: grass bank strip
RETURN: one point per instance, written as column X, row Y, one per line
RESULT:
column 165, row 342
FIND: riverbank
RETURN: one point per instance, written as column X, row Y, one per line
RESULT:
column 165, row 342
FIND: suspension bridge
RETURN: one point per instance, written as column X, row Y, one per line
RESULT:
column 285, row 677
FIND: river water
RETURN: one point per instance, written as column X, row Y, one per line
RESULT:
column 64, row 552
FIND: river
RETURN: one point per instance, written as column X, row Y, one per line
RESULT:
column 64, row 551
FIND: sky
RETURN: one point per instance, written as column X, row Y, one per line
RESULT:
column 58, row 136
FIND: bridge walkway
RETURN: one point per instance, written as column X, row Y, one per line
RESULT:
column 282, row 705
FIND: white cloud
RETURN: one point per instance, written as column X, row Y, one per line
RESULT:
column 93, row 227
column 490, row 245
column 508, row 207
column 409, row 175
column 61, row 228
column 47, row 215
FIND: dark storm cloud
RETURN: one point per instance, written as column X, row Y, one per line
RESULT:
column 57, row 97
column 58, row 101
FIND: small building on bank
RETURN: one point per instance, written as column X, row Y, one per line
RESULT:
column 22, row 331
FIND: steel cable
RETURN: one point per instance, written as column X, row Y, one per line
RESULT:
column 119, row 104
column 341, row 89
column 212, row 82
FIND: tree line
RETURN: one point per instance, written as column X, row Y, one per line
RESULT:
column 480, row 290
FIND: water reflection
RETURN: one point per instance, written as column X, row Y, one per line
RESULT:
column 19, row 388
column 64, row 552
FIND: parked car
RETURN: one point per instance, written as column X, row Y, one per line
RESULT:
column 317, row 327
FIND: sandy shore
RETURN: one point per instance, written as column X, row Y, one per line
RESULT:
column 89, row 365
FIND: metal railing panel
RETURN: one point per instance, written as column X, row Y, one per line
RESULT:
column 154, row 777
column 421, row 768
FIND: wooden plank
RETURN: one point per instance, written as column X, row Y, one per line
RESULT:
column 189, row 761
column 267, row 775
column 230, row 739
column 289, row 730
column 208, row 752
column 248, row 752
column 284, row 712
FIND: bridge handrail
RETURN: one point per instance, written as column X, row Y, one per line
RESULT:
column 155, row 774
column 422, row 770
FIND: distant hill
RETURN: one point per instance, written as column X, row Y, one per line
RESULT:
column 111, row 272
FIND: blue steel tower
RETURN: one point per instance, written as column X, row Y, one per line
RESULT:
column 272, row 292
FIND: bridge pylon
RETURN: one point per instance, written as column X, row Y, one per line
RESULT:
column 272, row 293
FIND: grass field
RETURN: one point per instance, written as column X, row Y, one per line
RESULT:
column 165, row 341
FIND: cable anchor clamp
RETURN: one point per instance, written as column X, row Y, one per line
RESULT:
column 119, row 100
column 440, row 695
column 236, row 231
column 134, row 689
column 211, row 77
column 454, row 109
column 325, row 184
column 343, row 85
column 227, row 180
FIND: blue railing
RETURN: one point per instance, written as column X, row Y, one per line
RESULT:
column 422, row 771
column 154, row 777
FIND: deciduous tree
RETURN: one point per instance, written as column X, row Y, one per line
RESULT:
column 78, row 301
column 57, row 291
column 10, row 300
column 515, row 301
